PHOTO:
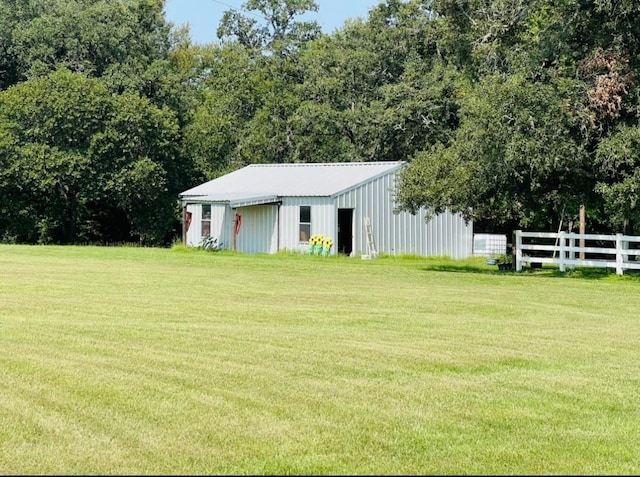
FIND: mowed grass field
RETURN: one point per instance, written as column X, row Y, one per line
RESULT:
column 174, row 361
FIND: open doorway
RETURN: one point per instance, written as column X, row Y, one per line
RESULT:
column 345, row 231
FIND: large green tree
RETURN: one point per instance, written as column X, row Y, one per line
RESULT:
column 618, row 164
column 513, row 158
column 250, row 90
column 76, row 156
column 552, row 83
column 48, row 124
column 377, row 89
column 96, row 97
column 272, row 26
column 74, row 153
column 95, row 37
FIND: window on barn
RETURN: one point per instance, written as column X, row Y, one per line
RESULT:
column 206, row 220
column 305, row 223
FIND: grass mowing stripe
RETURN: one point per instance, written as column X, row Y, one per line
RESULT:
column 139, row 361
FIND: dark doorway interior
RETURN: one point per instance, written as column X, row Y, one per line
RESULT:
column 345, row 231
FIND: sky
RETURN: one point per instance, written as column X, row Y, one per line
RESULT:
column 203, row 16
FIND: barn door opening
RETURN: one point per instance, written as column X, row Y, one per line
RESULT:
column 345, row 231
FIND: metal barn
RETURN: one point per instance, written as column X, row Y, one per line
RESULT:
column 265, row 208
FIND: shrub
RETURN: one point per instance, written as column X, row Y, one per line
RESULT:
column 210, row 243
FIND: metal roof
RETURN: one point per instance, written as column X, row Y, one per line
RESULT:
column 270, row 181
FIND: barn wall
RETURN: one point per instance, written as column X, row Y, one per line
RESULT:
column 259, row 230
column 273, row 227
column 403, row 233
column 323, row 221
column 258, row 233
column 218, row 216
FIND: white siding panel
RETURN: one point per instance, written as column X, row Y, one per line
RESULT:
column 218, row 214
column 323, row 221
column 193, row 234
column 258, row 233
column 403, row 233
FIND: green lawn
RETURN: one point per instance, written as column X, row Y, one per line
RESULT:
column 149, row 361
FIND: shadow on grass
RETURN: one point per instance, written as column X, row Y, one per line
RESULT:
column 459, row 268
column 549, row 272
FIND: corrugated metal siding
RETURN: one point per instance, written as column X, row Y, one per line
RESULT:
column 442, row 236
column 194, row 234
column 265, row 229
column 259, row 230
column 403, row 233
column 323, row 220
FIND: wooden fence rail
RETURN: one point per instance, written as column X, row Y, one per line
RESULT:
column 563, row 249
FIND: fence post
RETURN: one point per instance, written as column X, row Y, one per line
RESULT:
column 518, row 245
column 572, row 252
column 619, row 255
column 563, row 254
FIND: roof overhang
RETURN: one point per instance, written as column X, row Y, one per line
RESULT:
column 249, row 201
column 234, row 201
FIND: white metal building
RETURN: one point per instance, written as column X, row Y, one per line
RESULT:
column 264, row 208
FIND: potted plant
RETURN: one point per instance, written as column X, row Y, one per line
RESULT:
column 312, row 244
column 504, row 262
column 319, row 244
column 328, row 243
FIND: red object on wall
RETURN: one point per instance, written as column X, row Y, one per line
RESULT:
column 236, row 230
column 187, row 220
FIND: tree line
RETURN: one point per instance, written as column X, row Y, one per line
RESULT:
column 511, row 112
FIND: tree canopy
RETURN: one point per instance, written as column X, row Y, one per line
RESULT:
column 552, row 83
column 510, row 112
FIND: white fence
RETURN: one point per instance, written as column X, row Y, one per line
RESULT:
column 564, row 249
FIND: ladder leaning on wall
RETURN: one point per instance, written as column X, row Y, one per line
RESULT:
column 373, row 253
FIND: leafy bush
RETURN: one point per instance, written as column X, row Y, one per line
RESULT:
column 210, row 243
